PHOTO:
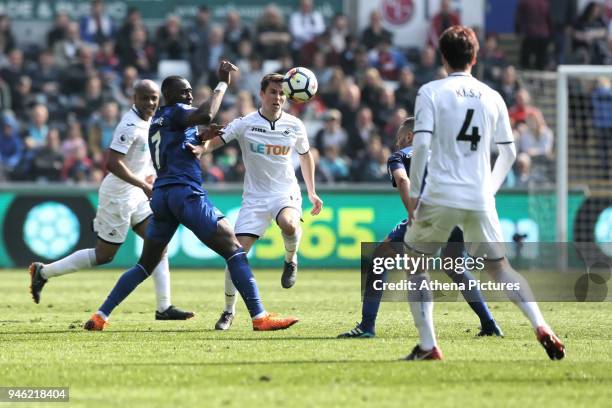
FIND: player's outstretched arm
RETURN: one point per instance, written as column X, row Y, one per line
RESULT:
column 308, row 170
column 117, row 166
column 206, row 112
column 420, row 151
column 403, row 186
column 503, row 164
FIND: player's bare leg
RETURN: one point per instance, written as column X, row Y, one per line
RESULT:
column 227, row 316
column 502, row 271
column 225, row 243
column 288, row 220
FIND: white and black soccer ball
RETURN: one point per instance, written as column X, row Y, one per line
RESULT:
column 300, row 84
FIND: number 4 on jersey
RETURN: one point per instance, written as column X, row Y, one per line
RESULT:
column 473, row 137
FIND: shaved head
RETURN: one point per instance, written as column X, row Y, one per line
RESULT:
column 146, row 97
column 145, row 85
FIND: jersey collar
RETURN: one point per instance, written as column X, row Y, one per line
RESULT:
column 460, row 74
column 272, row 123
column 137, row 113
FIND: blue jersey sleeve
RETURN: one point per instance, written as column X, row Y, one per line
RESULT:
column 394, row 162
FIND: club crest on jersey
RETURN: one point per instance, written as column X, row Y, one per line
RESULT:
column 274, row 150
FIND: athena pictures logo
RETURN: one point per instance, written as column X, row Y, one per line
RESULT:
column 397, row 12
column 51, row 229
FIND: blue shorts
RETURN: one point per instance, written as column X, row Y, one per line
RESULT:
column 181, row 204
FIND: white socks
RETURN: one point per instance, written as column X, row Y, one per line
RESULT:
column 161, row 279
column 522, row 298
column 83, row 259
column 292, row 242
column 230, row 293
column 421, row 307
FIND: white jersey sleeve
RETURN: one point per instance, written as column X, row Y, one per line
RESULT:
column 503, row 130
column 234, row 130
column 424, row 120
column 123, row 138
column 301, row 144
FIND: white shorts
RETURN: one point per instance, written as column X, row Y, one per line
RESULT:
column 256, row 213
column 433, row 224
column 115, row 216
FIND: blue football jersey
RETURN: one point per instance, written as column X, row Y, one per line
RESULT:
column 168, row 138
column 397, row 160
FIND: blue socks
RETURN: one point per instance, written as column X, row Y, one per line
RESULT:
column 244, row 281
column 371, row 300
column 124, row 286
column 473, row 297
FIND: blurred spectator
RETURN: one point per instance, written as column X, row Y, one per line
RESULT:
column 305, row 25
column 14, row 69
column 320, row 44
column 123, row 91
column 508, row 85
column 440, row 22
column 11, row 146
column 562, row 18
column 251, row 79
column 590, row 34
column 491, row 61
column 332, row 133
column 348, row 57
column 213, row 53
column 385, row 110
column 171, row 42
column 59, row 30
column 427, row 69
column 5, row 96
column 520, row 177
column 7, row 39
column 535, row 138
column 48, row 161
column 210, row 172
column 375, row 33
column 602, row 121
column 202, row 94
column 245, row 104
column 101, row 130
column 331, row 92
column 406, row 91
column 66, row 50
column 198, row 39
column 388, row 60
column 38, row 128
column 139, row 53
column 273, row 38
column 133, row 20
column 106, row 59
column 74, row 78
column 235, row 32
column 338, row 32
column 334, row 165
column 73, row 141
column 391, row 125
column 79, row 167
column 45, row 75
column 322, row 71
column 532, row 24
column 229, row 161
column 97, row 27
column 371, row 89
column 350, row 102
column 23, row 98
column 522, row 108
column 364, row 130
column 372, row 165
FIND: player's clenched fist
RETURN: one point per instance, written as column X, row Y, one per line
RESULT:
column 225, row 70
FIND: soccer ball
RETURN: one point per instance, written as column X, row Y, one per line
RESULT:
column 300, row 84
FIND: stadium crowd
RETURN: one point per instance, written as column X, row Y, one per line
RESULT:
column 62, row 99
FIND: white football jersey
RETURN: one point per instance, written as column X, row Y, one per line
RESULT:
column 266, row 151
column 130, row 138
column 464, row 116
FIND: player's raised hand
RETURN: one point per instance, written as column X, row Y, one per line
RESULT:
column 211, row 131
column 317, row 204
column 197, row 150
column 225, row 70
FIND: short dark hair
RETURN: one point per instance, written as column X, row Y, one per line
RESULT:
column 408, row 123
column 270, row 78
column 170, row 82
column 459, row 46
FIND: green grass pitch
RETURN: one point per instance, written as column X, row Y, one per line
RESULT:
column 139, row 362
